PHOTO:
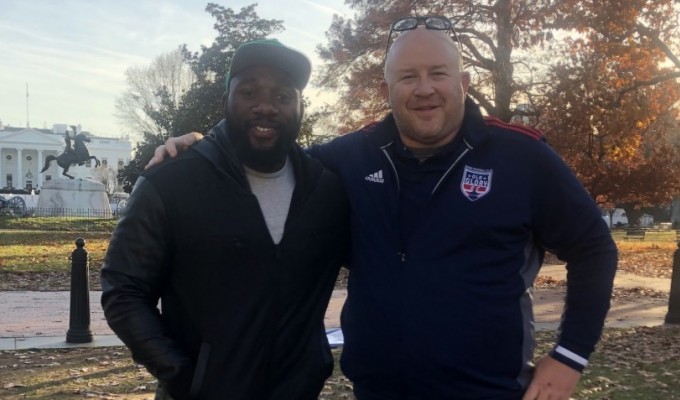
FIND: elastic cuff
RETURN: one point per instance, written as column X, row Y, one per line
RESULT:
column 569, row 358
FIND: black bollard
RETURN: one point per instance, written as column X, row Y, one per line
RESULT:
column 673, row 316
column 79, row 321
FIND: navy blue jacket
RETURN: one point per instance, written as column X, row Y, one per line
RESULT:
column 444, row 255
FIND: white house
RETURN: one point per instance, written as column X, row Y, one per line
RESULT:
column 23, row 152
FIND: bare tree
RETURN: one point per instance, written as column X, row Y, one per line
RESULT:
column 109, row 179
column 169, row 71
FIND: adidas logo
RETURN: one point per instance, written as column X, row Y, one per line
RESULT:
column 375, row 177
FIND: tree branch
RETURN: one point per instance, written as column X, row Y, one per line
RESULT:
column 481, row 100
column 651, row 82
column 645, row 31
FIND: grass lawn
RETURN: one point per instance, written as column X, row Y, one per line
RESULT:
column 72, row 224
column 45, row 251
column 40, row 259
column 634, row 364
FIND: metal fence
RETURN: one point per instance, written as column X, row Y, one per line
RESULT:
column 66, row 219
column 60, row 212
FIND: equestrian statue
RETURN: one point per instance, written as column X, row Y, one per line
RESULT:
column 77, row 154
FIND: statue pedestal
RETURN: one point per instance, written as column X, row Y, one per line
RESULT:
column 73, row 197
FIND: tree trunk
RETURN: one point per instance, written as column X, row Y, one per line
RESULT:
column 632, row 213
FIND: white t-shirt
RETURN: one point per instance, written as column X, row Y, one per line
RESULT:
column 273, row 191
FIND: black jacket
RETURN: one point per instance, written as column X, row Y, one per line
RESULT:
column 242, row 317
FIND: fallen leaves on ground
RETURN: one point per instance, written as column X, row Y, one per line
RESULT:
column 633, row 363
column 101, row 373
column 652, row 261
column 44, row 281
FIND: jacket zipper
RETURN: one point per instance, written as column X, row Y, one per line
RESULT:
column 402, row 253
column 448, row 171
column 389, row 159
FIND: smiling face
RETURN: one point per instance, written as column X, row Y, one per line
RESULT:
column 264, row 113
column 425, row 87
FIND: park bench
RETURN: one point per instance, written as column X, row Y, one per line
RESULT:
column 635, row 234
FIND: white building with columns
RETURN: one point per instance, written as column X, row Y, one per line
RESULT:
column 23, row 152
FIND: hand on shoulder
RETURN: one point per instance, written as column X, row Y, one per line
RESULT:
column 172, row 147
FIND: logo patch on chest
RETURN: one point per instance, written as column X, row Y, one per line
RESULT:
column 476, row 183
column 376, row 177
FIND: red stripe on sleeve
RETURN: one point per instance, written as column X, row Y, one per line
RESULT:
column 523, row 129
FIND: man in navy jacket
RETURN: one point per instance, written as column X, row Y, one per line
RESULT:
column 451, row 215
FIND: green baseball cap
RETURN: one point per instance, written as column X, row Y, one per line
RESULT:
column 271, row 53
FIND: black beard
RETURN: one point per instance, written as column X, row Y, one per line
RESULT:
column 264, row 160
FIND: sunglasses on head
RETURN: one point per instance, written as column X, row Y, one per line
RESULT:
column 434, row 22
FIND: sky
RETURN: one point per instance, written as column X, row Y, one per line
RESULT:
column 73, row 54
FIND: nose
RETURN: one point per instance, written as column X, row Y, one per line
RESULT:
column 265, row 107
column 424, row 87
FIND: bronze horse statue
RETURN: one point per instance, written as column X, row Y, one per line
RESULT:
column 77, row 154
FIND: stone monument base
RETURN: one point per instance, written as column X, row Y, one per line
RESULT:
column 73, row 197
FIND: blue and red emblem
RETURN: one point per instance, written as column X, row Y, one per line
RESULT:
column 476, row 183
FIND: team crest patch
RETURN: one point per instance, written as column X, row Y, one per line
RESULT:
column 476, row 183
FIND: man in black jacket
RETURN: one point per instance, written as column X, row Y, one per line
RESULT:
column 241, row 238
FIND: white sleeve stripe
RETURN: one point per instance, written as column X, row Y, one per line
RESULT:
column 571, row 355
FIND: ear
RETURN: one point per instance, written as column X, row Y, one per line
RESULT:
column 465, row 80
column 385, row 92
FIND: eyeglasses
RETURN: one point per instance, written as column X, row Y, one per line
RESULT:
column 434, row 22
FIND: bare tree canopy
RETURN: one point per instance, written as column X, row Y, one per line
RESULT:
column 194, row 102
column 169, row 71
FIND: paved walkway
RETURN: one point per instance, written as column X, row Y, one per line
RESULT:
column 41, row 319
